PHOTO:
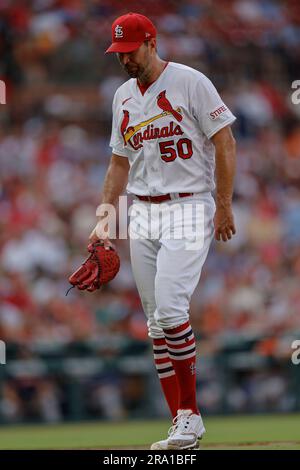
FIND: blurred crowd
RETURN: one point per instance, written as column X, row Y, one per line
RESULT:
column 54, row 136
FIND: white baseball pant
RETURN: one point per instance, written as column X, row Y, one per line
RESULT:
column 167, row 261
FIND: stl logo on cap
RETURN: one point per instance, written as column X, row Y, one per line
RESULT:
column 129, row 32
column 118, row 31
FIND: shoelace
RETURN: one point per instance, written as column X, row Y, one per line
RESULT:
column 180, row 423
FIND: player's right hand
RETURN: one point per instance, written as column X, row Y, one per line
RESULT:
column 99, row 233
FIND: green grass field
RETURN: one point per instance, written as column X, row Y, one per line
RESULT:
column 243, row 432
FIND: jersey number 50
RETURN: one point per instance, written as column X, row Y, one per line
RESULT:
column 168, row 152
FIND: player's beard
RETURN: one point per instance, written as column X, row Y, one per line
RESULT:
column 140, row 70
column 133, row 70
column 137, row 71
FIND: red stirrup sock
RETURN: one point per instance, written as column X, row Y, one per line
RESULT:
column 166, row 374
column 182, row 352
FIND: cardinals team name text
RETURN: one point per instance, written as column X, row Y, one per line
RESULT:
column 151, row 133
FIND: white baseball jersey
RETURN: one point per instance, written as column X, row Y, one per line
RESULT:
column 165, row 132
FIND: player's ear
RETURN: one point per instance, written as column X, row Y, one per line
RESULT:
column 152, row 44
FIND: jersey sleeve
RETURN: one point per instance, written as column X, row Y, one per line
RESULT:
column 116, row 140
column 209, row 109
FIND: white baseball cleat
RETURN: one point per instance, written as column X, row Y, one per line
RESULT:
column 185, row 433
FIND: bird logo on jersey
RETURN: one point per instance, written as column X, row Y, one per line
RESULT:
column 124, row 123
column 164, row 104
column 134, row 137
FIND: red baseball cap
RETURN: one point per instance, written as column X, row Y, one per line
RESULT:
column 130, row 31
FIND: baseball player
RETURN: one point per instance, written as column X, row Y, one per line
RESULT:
column 171, row 138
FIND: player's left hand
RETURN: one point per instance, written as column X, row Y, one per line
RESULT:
column 224, row 223
column 99, row 268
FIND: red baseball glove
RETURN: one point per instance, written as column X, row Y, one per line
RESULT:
column 99, row 268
